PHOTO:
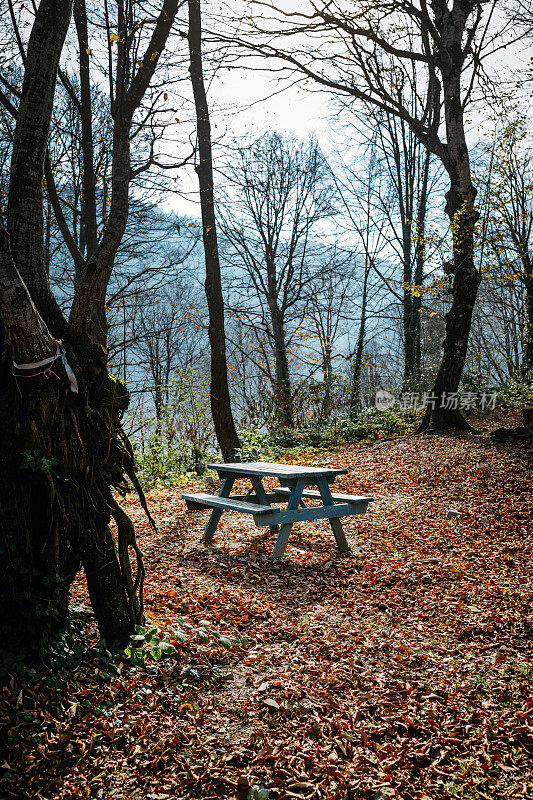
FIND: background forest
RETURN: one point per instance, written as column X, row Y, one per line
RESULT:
column 350, row 222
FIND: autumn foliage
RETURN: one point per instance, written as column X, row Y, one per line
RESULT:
column 403, row 672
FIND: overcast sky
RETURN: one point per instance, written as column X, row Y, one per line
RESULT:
column 247, row 102
column 244, row 104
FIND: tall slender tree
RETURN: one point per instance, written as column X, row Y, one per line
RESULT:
column 226, row 431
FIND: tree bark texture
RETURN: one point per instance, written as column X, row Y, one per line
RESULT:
column 225, row 429
column 463, row 215
column 64, row 452
column 282, row 380
column 25, row 194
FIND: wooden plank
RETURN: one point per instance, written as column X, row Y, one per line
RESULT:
column 285, row 529
column 216, row 513
column 193, row 505
column 336, row 525
column 314, row 495
column 228, row 503
column 306, row 514
column 269, row 469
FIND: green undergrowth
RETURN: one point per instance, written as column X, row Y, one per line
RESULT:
column 368, row 427
column 180, row 463
column 162, row 464
column 67, row 651
column 515, row 394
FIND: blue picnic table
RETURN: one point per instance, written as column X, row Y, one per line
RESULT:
column 294, row 480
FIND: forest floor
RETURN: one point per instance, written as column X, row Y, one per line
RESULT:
column 405, row 671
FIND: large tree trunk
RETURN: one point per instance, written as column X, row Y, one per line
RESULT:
column 61, row 454
column 54, row 493
column 63, row 450
column 56, row 479
column 25, row 194
column 225, row 429
column 443, row 412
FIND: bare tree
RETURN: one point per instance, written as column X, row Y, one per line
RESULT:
column 512, row 224
column 367, row 55
column 497, row 342
column 370, row 222
column 251, row 376
column 407, row 164
column 280, row 195
column 328, row 309
column 169, row 337
column 398, row 170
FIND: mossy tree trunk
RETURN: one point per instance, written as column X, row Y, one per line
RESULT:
column 443, row 412
column 63, row 450
column 463, row 215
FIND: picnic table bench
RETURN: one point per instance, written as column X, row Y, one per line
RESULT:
column 294, row 480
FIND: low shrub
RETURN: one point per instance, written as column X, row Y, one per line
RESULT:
column 161, row 464
column 255, row 446
column 515, row 393
column 368, row 426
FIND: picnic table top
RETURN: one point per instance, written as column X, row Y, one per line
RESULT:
column 268, row 469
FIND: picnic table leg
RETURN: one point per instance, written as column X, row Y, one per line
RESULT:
column 261, row 495
column 285, row 529
column 216, row 513
column 336, row 525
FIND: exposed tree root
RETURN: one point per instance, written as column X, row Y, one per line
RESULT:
column 57, row 500
column 126, row 539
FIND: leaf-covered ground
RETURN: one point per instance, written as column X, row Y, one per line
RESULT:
column 406, row 671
